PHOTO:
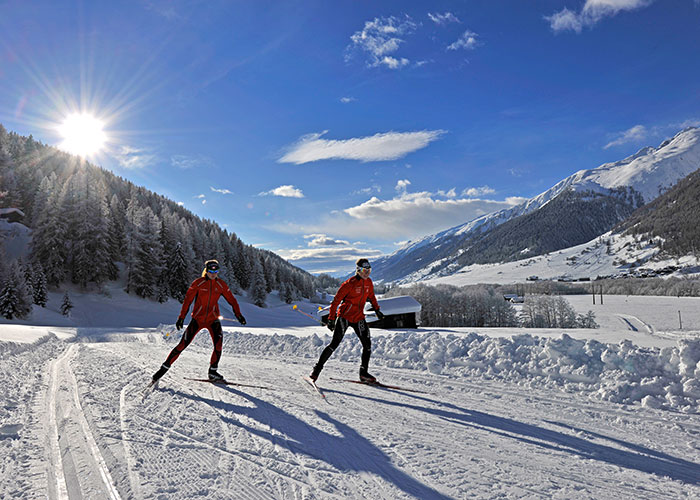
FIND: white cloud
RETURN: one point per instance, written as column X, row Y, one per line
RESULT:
column 321, row 240
column 325, row 253
column 406, row 216
column 380, row 38
column 379, row 147
column 479, row 191
column 346, row 100
column 368, row 190
column 452, row 193
column 393, row 63
column 467, row 41
column 634, row 134
column 202, row 197
column 286, row 191
column 402, row 185
column 592, row 12
column 222, row 191
column 186, row 162
column 447, row 17
column 133, row 158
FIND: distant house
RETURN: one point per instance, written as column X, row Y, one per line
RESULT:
column 399, row 312
column 532, row 278
column 11, row 214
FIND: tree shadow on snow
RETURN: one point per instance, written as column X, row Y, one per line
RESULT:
column 346, row 451
column 635, row 457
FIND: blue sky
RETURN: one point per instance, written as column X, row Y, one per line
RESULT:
column 325, row 131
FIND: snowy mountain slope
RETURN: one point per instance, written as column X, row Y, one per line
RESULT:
column 640, row 177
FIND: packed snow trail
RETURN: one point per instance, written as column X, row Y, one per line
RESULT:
column 468, row 437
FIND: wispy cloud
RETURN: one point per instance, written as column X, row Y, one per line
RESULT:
column 379, row 147
column 186, row 162
column 286, row 191
column 222, row 191
column 402, row 185
column 374, row 188
column 321, row 240
column 478, row 191
column 202, row 197
column 592, row 12
column 468, row 41
column 380, row 39
column 133, row 158
column 445, row 18
column 346, row 100
column 634, row 134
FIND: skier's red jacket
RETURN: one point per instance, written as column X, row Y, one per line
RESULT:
column 351, row 297
column 206, row 292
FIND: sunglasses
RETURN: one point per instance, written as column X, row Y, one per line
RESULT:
column 360, row 268
column 213, row 270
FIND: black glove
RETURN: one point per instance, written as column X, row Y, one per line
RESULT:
column 380, row 315
column 179, row 323
column 331, row 324
column 241, row 319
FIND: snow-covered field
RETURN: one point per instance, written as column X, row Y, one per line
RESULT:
column 508, row 413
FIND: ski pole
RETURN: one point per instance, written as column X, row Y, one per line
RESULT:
column 306, row 314
column 228, row 319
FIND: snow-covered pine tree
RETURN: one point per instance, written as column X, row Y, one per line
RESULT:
column 15, row 302
column 178, row 276
column 40, row 294
column 66, row 304
column 257, row 285
column 147, row 266
column 48, row 241
column 27, row 275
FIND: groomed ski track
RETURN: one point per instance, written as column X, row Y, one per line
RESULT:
column 466, row 439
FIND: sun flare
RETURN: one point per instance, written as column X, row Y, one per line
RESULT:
column 82, row 134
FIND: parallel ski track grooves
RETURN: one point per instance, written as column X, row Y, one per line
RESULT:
column 90, row 439
column 57, row 470
column 128, row 454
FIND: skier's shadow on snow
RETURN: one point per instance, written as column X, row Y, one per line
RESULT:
column 348, row 451
column 634, row 457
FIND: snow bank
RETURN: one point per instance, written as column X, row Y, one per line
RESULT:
column 665, row 378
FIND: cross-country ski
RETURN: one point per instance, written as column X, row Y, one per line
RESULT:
column 315, row 387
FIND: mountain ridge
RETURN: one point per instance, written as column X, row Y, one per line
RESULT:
column 643, row 175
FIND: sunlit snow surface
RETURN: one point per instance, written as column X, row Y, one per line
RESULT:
column 506, row 413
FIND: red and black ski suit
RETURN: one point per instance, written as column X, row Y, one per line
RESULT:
column 205, row 293
column 349, row 305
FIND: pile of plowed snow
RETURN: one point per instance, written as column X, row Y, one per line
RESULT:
column 665, row 378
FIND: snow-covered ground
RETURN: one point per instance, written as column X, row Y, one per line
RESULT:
column 587, row 260
column 507, row 413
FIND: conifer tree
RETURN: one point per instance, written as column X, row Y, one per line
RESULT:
column 66, row 305
column 257, row 285
column 15, row 302
column 178, row 278
column 40, row 295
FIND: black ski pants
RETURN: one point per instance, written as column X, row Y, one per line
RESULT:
column 362, row 332
column 192, row 329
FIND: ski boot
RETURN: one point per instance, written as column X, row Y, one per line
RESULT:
column 366, row 377
column 215, row 376
column 161, row 371
column 315, row 373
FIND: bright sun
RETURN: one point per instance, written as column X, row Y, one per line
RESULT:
column 82, row 134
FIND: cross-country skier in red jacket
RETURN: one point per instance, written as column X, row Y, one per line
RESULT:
column 351, row 297
column 205, row 293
